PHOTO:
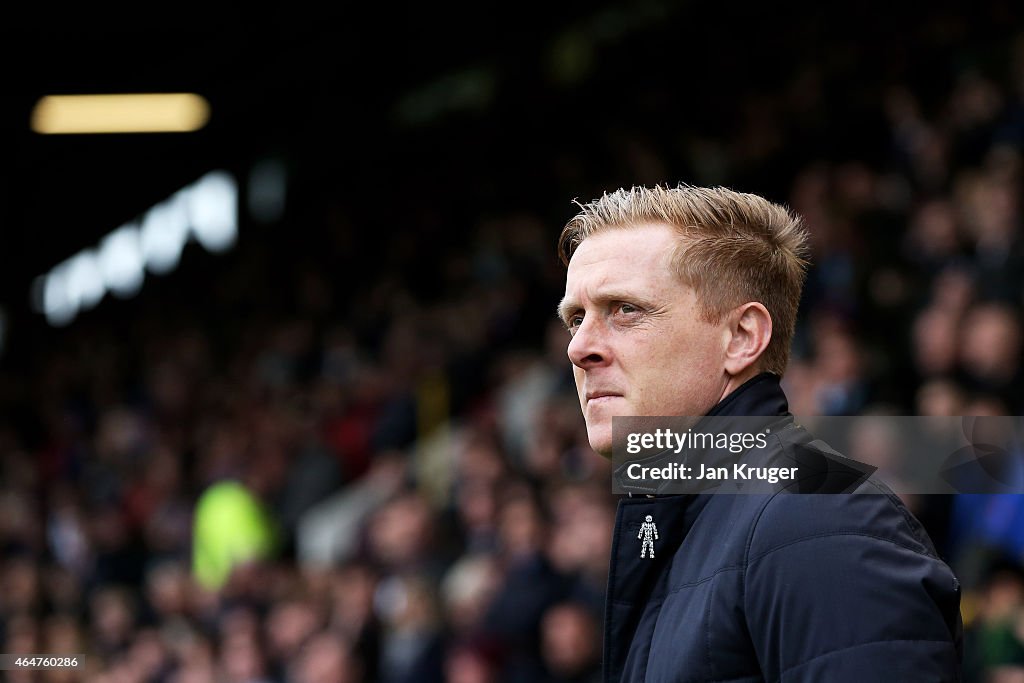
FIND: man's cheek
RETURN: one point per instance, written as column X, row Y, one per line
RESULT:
column 577, row 375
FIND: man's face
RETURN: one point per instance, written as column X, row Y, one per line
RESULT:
column 639, row 345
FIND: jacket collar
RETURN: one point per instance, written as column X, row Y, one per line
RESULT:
column 758, row 396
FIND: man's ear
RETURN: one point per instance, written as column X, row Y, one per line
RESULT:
column 750, row 326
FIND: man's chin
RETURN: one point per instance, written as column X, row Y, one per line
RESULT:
column 602, row 444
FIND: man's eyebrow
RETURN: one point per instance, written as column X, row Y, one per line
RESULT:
column 565, row 308
column 568, row 306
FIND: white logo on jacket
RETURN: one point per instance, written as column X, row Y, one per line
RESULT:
column 649, row 534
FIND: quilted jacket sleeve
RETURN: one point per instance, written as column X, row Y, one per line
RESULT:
column 848, row 588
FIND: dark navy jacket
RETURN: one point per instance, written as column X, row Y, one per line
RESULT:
column 779, row 586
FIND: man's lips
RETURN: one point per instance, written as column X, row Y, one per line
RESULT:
column 601, row 396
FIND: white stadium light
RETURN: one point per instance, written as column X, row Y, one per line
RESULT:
column 164, row 234
column 83, row 279
column 121, row 261
column 58, row 308
column 206, row 210
column 213, row 208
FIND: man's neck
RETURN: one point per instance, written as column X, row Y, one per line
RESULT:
column 736, row 381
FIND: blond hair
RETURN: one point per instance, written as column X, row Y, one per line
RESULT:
column 733, row 248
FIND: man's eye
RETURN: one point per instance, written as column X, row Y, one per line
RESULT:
column 628, row 308
column 575, row 321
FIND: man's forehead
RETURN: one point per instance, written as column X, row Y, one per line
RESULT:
column 647, row 242
column 623, row 257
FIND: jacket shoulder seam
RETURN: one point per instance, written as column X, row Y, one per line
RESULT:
column 829, row 534
column 908, row 518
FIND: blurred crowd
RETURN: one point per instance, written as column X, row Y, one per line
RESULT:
column 307, row 476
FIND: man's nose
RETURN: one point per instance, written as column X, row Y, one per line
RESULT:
column 588, row 347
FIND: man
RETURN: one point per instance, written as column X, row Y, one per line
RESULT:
column 683, row 302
